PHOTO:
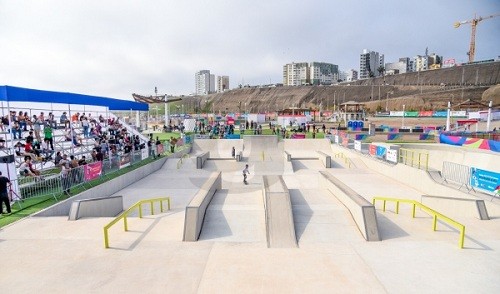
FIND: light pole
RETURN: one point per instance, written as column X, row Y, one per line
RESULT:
column 334, row 94
column 166, row 111
column 403, row 122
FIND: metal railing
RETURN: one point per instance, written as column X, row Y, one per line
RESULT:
column 126, row 213
column 341, row 155
column 414, row 158
column 457, row 173
column 435, row 215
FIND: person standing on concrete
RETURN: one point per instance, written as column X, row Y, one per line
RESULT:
column 245, row 172
column 4, row 196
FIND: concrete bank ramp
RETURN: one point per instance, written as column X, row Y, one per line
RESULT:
column 279, row 217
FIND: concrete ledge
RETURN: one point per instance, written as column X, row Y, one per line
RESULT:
column 196, row 209
column 362, row 211
column 105, row 189
column 201, row 159
column 325, row 159
column 457, row 206
column 280, row 227
column 96, row 207
column 288, row 156
column 239, row 156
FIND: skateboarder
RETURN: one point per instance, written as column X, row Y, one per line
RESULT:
column 245, row 172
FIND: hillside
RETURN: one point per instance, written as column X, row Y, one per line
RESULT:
column 428, row 90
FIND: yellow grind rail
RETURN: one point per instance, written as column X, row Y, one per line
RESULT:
column 414, row 158
column 125, row 214
column 436, row 215
column 346, row 160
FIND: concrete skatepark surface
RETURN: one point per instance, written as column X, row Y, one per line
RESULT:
column 54, row 255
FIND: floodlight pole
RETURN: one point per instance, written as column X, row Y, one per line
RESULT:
column 166, row 111
column 448, row 117
column 488, row 120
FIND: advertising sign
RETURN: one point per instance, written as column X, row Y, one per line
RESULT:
column 159, row 149
column 373, row 149
column 458, row 113
column 392, row 155
column 92, row 170
column 345, row 142
column 144, row 153
column 424, row 113
column 336, row 139
column 380, row 151
column 439, row 114
column 187, row 140
column 329, row 138
column 125, row 160
column 357, row 145
column 396, row 113
column 411, row 113
column 484, row 179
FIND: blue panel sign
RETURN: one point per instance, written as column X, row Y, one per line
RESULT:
column 381, row 151
column 484, row 179
column 187, row 140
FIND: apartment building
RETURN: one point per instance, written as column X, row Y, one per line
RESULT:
column 204, row 82
column 222, row 83
column 312, row 73
column 369, row 63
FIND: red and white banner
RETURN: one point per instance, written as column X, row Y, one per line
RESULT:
column 92, row 170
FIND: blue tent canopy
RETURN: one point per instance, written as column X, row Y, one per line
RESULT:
column 16, row 94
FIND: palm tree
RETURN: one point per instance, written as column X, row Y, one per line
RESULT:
column 381, row 70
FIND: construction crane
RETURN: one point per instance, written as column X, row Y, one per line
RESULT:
column 473, row 22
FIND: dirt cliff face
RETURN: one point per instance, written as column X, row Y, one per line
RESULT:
column 492, row 94
column 426, row 90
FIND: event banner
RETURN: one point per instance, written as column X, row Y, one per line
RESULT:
column 373, row 149
column 440, row 113
column 144, row 153
column 380, row 151
column 329, row 137
column 485, row 180
column 345, row 142
column 125, row 160
column 392, row 155
column 357, row 145
column 336, row 139
column 92, row 170
column 187, row 140
column 411, row 113
column 159, row 149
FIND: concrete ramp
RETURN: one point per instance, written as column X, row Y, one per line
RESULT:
column 218, row 148
column 235, row 215
column 262, row 148
column 307, row 148
column 279, row 218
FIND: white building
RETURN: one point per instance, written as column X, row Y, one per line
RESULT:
column 420, row 63
column 395, row 68
column 312, row 73
column 222, row 83
column 204, row 82
column 369, row 63
column 352, row 75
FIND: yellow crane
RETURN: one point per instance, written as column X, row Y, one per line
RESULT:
column 473, row 22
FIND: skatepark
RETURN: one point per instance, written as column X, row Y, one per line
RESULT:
column 304, row 223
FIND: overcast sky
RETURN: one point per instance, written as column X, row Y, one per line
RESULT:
column 114, row 48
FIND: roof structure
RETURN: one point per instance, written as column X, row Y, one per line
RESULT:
column 16, row 94
column 153, row 99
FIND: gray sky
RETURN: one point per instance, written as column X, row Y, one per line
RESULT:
column 114, row 48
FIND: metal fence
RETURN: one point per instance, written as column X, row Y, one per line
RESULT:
column 457, row 173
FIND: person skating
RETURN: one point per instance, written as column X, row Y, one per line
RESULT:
column 245, row 172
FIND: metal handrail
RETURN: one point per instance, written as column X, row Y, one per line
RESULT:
column 124, row 215
column 181, row 159
column 429, row 210
column 347, row 161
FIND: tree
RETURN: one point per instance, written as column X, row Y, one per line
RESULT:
column 381, row 70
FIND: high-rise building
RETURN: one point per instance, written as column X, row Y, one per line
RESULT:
column 313, row 73
column 204, row 82
column 295, row 73
column 369, row 64
column 222, row 83
column 352, row 75
column 420, row 63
